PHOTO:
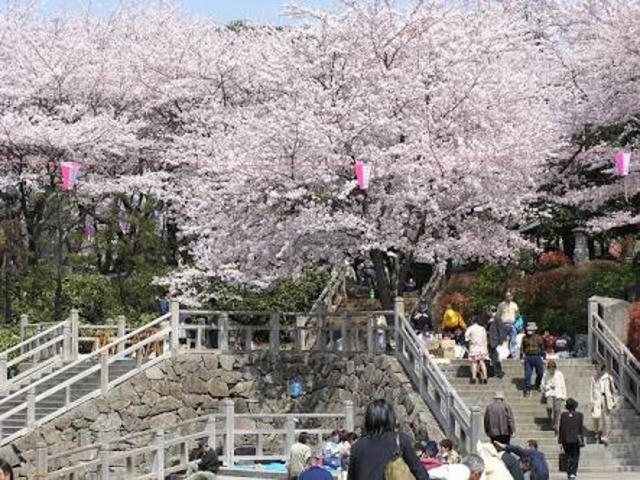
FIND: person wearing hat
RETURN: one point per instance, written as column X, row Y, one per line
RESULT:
column 533, row 354
column 499, row 423
column 207, row 464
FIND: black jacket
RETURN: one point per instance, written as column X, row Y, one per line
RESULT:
column 571, row 427
column 496, row 333
column 209, row 462
column 370, row 455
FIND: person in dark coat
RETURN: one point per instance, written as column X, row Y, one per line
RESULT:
column 378, row 446
column 535, row 460
column 207, row 460
column 570, row 435
column 499, row 423
column 497, row 336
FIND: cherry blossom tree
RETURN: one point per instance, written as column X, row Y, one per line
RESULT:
column 427, row 96
column 598, row 49
column 248, row 136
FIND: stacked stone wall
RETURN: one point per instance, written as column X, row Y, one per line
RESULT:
column 194, row 385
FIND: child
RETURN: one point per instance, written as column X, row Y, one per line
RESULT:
column 447, row 453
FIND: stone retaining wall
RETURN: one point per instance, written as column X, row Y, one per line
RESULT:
column 193, row 385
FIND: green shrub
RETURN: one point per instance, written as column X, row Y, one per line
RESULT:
column 487, row 289
column 612, row 283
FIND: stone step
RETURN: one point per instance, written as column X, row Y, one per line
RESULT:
column 597, row 461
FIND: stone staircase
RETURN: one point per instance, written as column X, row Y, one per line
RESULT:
column 621, row 460
column 58, row 400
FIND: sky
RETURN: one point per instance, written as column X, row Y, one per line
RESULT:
column 224, row 11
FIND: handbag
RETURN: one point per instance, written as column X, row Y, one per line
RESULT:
column 582, row 441
column 562, row 462
column 397, row 468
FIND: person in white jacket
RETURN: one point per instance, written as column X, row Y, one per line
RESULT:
column 554, row 390
column 603, row 401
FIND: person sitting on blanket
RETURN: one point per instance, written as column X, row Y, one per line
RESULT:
column 206, row 463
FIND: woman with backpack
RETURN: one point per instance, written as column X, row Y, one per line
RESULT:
column 382, row 453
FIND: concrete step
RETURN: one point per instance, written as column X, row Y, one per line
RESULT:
column 597, row 461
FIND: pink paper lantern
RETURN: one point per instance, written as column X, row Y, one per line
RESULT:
column 622, row 160
column 363, row 175
column 70, row 171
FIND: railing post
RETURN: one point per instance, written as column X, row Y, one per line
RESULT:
column 24, row 321
column 122, row 331
column 346, row 344
column 274, row 333
column 229, row 437
column 398, row 313
column 3, row 372
column 31, row 409
column 591, row 310
column 450, row 426
column 158, row 460
column 371, row 343
column 75, row 334
column 476, row 428
column 223, row 328
column 349, row 419
column 104, row 465
column 67, row 340
column 104, row 371
column 290, row 429
column 211, row 431
column 175, row 328
column 42, row 467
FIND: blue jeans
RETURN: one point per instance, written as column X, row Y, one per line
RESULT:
column 511, row 334
column 532, row 362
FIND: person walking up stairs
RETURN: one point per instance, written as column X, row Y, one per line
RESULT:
column 620, row 460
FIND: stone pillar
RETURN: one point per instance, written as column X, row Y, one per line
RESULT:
column 24, row 321
column 104, row 371
column 158, row 461
column 41, row 461
column 398, row 314
column 122, row 331
column 581, row 249
column 75, row 334
column 349, row 422
column 290, row 428
column 476, row 428
column 31, row 408
column 223, row 332
column 67, row 340
column 228, row 409
column 174, row 342
column 3, row 372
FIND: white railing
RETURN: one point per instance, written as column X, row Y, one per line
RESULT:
column 87, row 376
column 154, row 454
column 59, row 392
column 37, row 354
column 606, row 348
column 458, row 421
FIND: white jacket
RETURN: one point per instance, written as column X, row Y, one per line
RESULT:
column 553, row 385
